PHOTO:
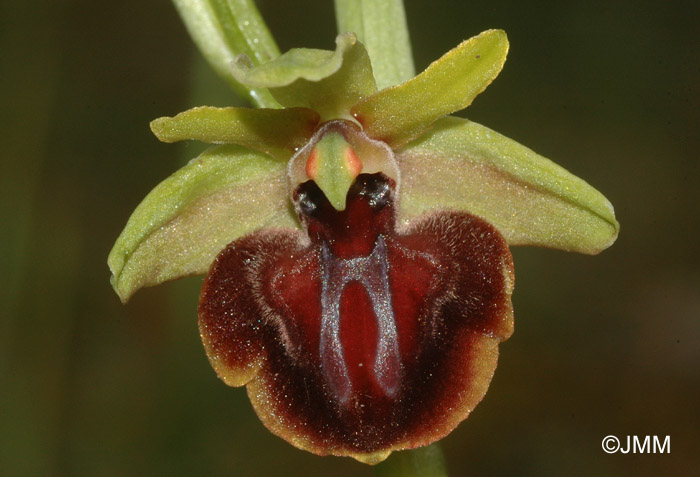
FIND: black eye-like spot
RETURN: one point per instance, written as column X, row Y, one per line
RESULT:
column 309, row 198
column 377, row 188
column 306, row 204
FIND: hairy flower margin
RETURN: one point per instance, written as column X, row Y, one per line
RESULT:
column 353, row 202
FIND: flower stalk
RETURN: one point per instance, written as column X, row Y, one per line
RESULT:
column 426, row 461
column 381, row 26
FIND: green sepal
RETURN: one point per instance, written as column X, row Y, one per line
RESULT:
column 329, row 82
column 462, row 165
column 401, row 113
column 278, row 132
column 179, row 228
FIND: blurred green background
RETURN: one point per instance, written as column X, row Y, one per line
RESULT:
column 603, row 345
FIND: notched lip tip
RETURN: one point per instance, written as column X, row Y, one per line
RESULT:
column 372, row 458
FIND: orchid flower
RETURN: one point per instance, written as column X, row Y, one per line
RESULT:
column 354, row 236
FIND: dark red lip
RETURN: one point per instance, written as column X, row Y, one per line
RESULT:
column 356, row 339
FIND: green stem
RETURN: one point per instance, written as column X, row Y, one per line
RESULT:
column 224, row 29
column 422, row 462
column 381, row 26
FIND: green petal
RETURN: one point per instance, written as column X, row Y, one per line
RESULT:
column 401, row 113
column 325, row 81
column 462, row 165
column 278, row 132
column 182, row 224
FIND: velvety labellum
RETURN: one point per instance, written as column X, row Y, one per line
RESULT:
column 356, row 339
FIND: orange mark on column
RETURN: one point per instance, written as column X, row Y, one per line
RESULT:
column 312, row 164
column 352, row 162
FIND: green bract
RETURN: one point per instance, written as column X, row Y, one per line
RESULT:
column 443, row 162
